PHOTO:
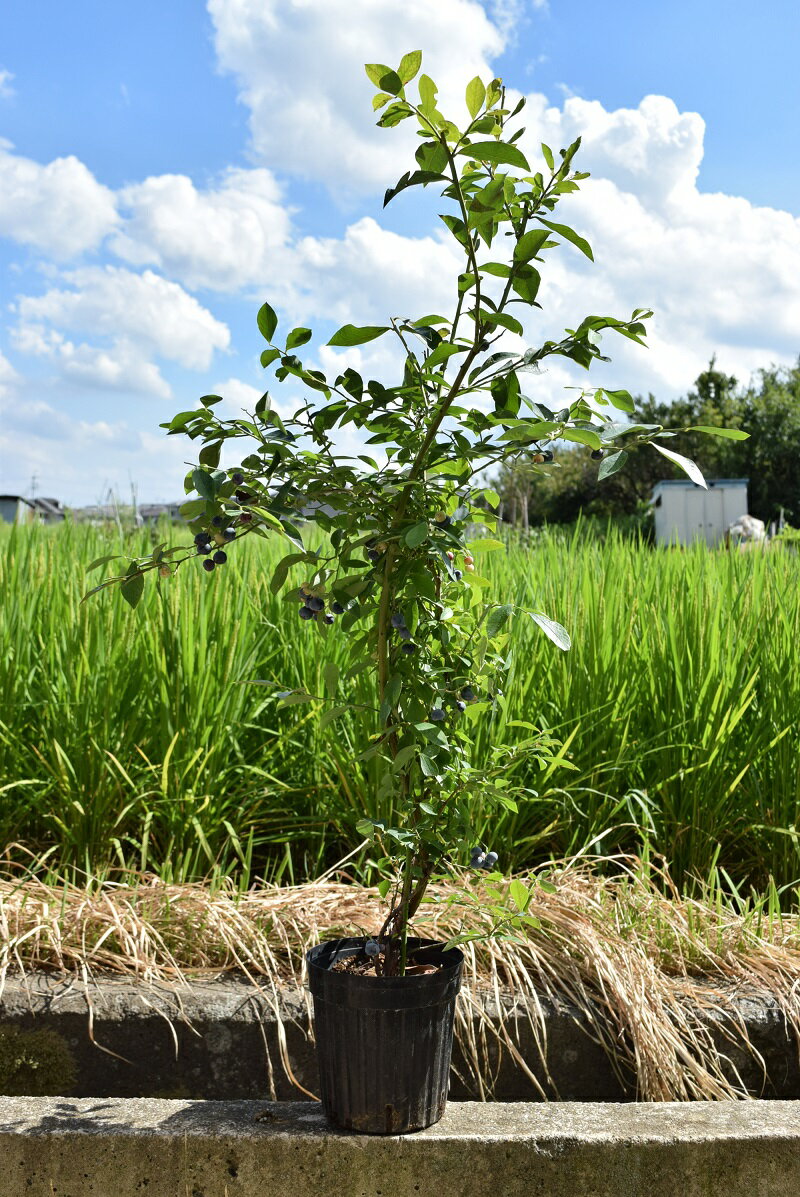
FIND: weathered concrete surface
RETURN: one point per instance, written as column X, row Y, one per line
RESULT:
column 116, row 1148
column 221, row 1039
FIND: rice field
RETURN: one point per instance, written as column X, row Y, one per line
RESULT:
column 136, row 740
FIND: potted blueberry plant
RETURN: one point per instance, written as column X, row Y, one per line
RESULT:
column 394, row 562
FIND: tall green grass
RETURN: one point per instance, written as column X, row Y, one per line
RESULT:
column 134, row 739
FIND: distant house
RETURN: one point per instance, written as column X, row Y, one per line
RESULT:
column 151, row 513
column 685, row 512
column 15, row 509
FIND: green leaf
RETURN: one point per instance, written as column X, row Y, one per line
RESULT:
column 498, row 618
column 486, row 544
column 293, row 697
column 348, row 334
column 330, row 675
column 581, row 436
column 731, row 434
column 331, row 714
column 384, row 77
column 547, row 154
column 569, row 235
column 519, row 892
column 203, row 483
column 426, row 765
column 366, row 827
column 133, row 586
column 192, row 509
column 683, row 463
column 621, row 400
column 476, row 94
column 267, row 321
column 384, row 886
column 417, row 535
column 553, row 630
column 529, row 245
column 609, row 465
column 268, row 357
column 497, row 153
column 298, row 336
column 102, row 561
column 404, row 757
column 409, row 65
column 427, row 93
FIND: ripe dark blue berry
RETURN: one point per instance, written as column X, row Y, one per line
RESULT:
column 372, row 948
column 477, row 861
column 373, row 555
column 489, row 860
column 597, row 454
column 404, row 633
column 220, row 557
column 468, row 694
column 461, row 706
column 242, row 496
column 204, row 548
column 337, row 608
column 229, row 533
column 307, row 613
column 315, row 603
column 329, row 618
column 398, row 621
column 548, row 454
column 457, row 574
column 476, row 851
column 201, row 538
column 408, row 648
column 437, row 715
column 209, row 565
column 218, row 521
column 237, row 478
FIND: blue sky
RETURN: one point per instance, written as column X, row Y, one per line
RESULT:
column 166, row 167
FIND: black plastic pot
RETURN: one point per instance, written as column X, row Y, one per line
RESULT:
column 384, row 1043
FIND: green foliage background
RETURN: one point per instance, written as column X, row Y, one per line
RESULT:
column 133, row 739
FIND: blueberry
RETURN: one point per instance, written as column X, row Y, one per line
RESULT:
column 245, row 518
column 468, row 694
column 477, row 851
column 489, row 860
column 242, row 496
column 315, row 603
column 597, row 454
column 477, row 861
column 337, row 608
column 209, row 565
column 237, row 478
column 204, row 548
column 329, row 618
column 461, row 706
column 408, row 648
column 229, row 533
column 457, row 574
column 307, row 613
column 372, row 948
column 201, row 538
column 437, row 715
column 404, row 633
column 548, row 455
column 398, row 621
column 218, row 521
column 373, row 555
column 220, row 558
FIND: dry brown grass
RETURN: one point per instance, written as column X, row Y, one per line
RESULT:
column 640, row 961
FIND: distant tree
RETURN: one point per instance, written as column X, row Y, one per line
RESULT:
column 768, row 409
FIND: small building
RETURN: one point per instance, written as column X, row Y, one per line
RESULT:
column 684, row 512
column 15, row 509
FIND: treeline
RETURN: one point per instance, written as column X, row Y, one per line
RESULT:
column 768, row 408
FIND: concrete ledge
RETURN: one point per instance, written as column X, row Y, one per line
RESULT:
column 223, row 1039
column 60, row 1148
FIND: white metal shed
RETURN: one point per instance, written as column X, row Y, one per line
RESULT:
column 685, row 512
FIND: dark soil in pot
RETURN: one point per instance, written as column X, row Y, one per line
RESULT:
column 384, row 1043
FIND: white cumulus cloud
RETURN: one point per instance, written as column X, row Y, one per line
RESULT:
column 299, row 65
column 59, row 208
column 223, row 238
column 144, row 311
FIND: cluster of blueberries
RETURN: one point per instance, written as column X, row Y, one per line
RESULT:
column 399, row 625
column 205, row 543
column 314, row 606
column 482, row 860
column 438, row 714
